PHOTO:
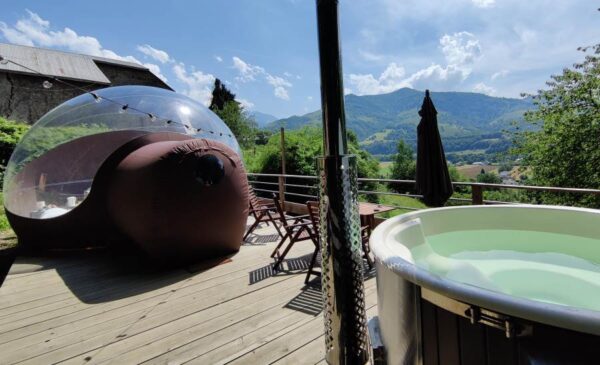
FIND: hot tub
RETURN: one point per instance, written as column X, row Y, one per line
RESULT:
column 489, row 285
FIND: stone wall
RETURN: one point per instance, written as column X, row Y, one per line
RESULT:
column 23, row 98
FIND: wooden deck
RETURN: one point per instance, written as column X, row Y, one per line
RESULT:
column 105, row 309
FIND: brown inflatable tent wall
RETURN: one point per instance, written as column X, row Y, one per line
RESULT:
column 161, row 207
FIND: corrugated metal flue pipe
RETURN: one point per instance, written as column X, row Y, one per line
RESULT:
column 342, row 280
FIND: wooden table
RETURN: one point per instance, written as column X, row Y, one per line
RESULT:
column 367, row 212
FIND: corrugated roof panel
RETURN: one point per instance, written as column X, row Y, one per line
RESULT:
column 119, row 62
column 55, row 63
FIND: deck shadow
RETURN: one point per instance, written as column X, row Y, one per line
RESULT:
column 255, row 239
column 310, row 300
column 109, row 275
column 292, row 266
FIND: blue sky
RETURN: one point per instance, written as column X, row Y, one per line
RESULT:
column 266, row 50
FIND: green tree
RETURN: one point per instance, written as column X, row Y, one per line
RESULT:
column 10, row 134
column 220, row 96
column 403, row 168
column 563, row 150
column 302, row 147
column 243, row 127
column 489, row 178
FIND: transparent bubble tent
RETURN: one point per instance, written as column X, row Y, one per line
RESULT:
column 52, row 169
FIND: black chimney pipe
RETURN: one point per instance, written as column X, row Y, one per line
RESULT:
column 342, row 267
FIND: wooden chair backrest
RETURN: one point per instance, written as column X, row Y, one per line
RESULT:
column 253, row 199
column 280, row 211
column 313, row 212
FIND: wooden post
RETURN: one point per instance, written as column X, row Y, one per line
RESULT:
column 282, row 178
column 476, row 194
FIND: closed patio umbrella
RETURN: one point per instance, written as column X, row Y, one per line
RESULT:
column 433, row 178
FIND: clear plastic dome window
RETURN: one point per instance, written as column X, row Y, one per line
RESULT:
column 51, row 170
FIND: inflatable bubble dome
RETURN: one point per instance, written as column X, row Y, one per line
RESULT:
column 52, row 169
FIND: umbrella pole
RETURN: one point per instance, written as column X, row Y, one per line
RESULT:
column 342, row 267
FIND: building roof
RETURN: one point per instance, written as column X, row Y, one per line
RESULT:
column 58, row 63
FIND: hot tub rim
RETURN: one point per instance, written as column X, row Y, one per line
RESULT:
column 572, row 318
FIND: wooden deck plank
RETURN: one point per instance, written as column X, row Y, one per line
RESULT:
column 34, row 307
column 314, row 351
column 86, row 310
column 172, row 308
column 245, row 344
column 226, row 272
column 191, row 286
column 295, row 339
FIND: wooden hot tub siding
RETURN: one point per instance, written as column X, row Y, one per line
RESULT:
column 449, row 339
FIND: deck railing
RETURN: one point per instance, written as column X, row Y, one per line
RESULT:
column 297, row 187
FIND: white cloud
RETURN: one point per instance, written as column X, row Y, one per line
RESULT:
column 309, row 98
column 484, row 89
column 499, row 74
column 526, row 35
column 280, row 86
column 218, row 58
column 35, row 31
column 392, row 78
column 281, row 93
column 157, row 54
column 460, row 48
column 247, row 72
column 370, row 57
column 484, row 3
column 246, row 103
column 290, row 75
column 437, row 77
column 198, row 84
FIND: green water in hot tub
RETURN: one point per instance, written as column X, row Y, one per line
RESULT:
column 543, row 266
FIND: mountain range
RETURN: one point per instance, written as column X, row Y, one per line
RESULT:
column 473, row 126
column 262, row 119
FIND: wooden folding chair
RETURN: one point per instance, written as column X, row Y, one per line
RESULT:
column 313, row 213
column 365, row 234
column 296, row 229
column 263, row 211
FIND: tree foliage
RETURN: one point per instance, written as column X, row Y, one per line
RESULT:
column 243, row 127
column 489, row 178
column 220, row 96
column 403, row 165
column 10, row 134
column 564, row 151
column 223, row 103
column 302, row 147
column 403, row 168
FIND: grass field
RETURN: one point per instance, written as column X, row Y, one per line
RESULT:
column 471, row 171
column 400, row 201
column 385, row 168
